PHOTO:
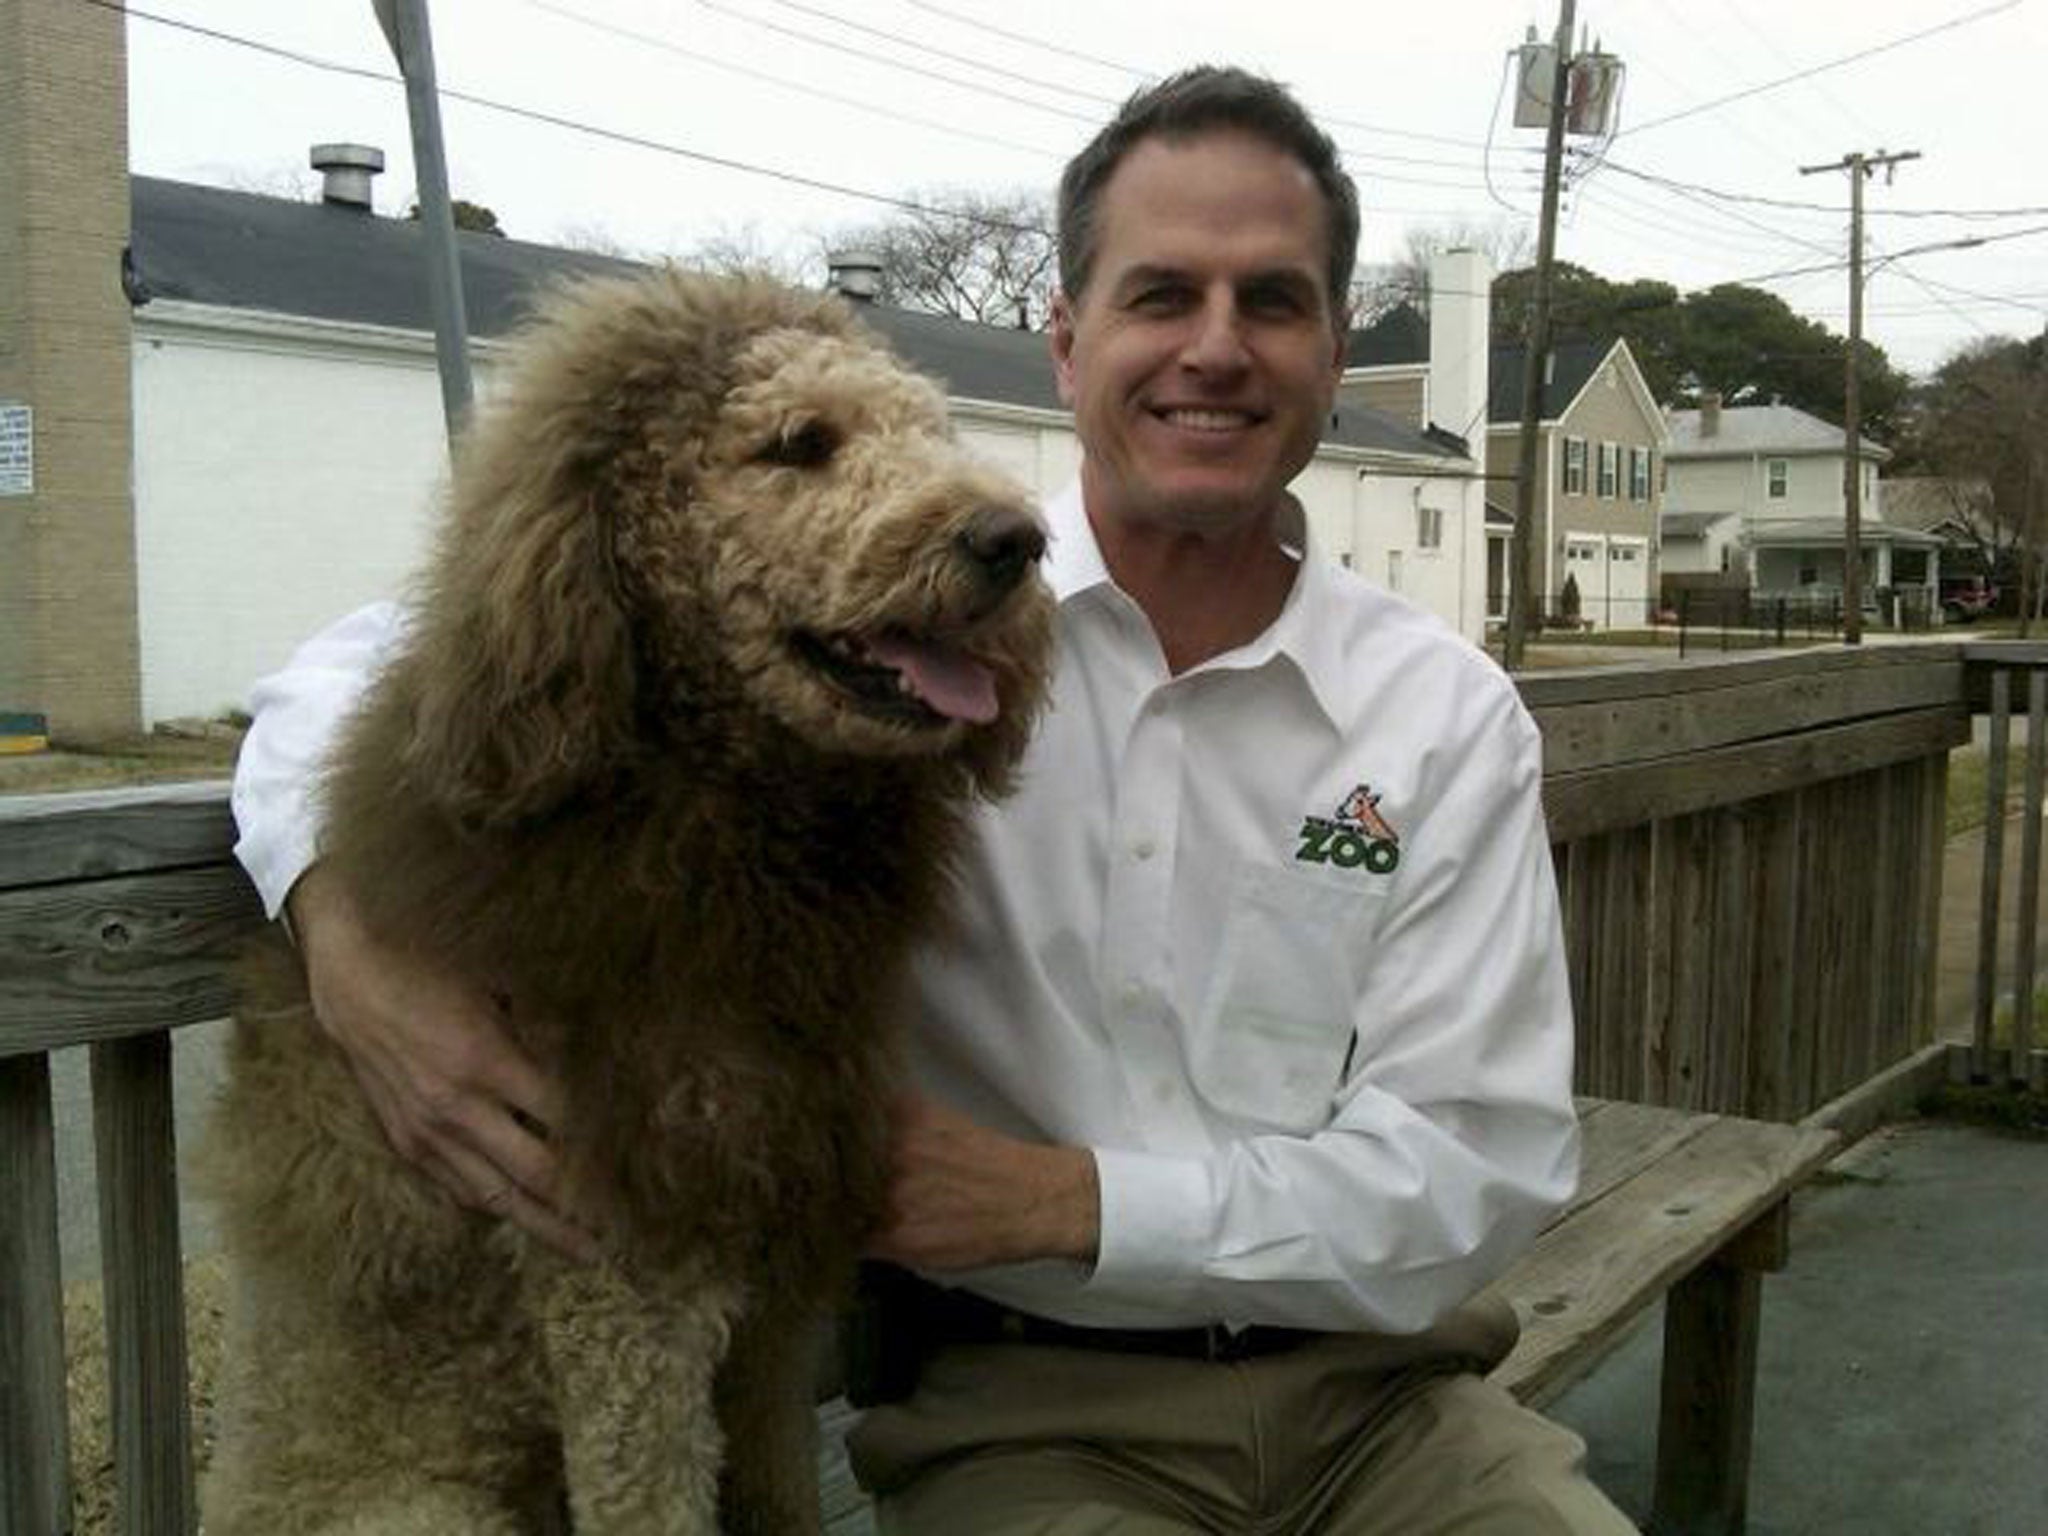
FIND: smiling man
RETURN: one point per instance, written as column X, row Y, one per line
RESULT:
column 1247, row 1063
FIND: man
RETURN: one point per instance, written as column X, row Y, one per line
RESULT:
column 1248, row 1063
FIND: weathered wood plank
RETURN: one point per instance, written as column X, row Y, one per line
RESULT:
column 1612, row 732
column 143, row 1284
column 35, row 1456
column 1773, row 912
column 91, row 835
column 1707, row 1402
column 1558, row 687
column 106, row 958
column 2030, row 865
column 1586, row 1278
column 1621, row 1139
column 1992, row 879
column 1580, row 804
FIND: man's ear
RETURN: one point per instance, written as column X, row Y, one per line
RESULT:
column 1061, row 341
column 1341, row 342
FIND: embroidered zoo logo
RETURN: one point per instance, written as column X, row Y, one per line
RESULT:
column 1357, row 834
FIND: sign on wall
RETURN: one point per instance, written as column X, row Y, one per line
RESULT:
column 17, row 449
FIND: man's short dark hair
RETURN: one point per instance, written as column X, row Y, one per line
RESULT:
column 1193, row 102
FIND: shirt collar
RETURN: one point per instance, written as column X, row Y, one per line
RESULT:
column 1305, row 633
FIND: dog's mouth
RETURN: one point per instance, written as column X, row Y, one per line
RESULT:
column 909, row 679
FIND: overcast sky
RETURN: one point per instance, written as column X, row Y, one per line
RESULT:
column 894, row 97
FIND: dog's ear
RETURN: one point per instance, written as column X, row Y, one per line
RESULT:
column 523, row 674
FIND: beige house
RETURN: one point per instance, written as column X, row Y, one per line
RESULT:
column 1599, row 484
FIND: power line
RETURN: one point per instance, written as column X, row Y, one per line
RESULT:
column 573, row 125
column 1817, row 69
column 649, row 40
column 886, row 62
column 1031, row 42
column 1146, row 76
column 1838, row 209
column 957, row 58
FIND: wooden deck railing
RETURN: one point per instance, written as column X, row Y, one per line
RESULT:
column 1749, row 852
column 2001, row 677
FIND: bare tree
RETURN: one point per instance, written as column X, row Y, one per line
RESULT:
column 1405, row 279
column 980, row 256
column 744, row 250
column 1985, row 414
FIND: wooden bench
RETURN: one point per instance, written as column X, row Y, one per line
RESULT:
column 119, row 913
column 1692, row 1208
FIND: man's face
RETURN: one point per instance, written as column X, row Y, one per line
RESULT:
column 1203, row 355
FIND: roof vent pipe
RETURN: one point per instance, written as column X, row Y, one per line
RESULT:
column 345, row 171
column 854, row 274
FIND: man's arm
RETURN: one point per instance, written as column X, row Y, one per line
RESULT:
column 964, row 1196
column 453, row 1095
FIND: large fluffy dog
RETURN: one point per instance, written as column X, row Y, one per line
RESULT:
column 722, row 639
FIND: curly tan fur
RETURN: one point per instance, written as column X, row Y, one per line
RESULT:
column 615, row 778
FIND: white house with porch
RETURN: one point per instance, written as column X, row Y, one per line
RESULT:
column 1757, row 493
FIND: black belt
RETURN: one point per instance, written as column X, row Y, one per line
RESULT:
column 959, row 1318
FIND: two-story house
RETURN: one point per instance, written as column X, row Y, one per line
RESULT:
column 1758, row 494
column 1600, row 444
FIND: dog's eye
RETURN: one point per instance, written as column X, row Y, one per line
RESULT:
column 800, row 445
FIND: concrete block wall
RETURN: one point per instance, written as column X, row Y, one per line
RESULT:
column 68, row 644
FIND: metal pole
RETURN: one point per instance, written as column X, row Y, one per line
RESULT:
column 411, row 39
column 1852, row 420
column 1521, row 542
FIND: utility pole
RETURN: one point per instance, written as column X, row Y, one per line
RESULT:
column 1858, row 166
column 1521, row 539
column 412, row 44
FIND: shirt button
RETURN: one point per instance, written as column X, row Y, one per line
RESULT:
column 1132, row 994
column 1143, row 849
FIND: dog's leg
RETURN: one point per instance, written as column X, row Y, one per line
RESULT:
column 767, row 1404
column 633, row 1375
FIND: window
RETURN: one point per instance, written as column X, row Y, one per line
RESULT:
column 1639, row 474
column 1575, row 466
column 1610, row 471
column 1776, row 473
column 1429, row 527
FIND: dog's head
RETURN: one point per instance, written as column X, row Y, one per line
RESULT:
column 696, row 499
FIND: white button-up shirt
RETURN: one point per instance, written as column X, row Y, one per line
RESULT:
column 1277, row 938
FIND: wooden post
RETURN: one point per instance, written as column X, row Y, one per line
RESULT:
column 35, row 1454
column 1992, row 879
column 148, row 1400
column 2030, row 875
column 1707, row 1414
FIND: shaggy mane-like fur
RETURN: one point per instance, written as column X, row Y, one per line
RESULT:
column 723, row 638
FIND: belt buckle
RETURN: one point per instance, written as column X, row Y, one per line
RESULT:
column 1222, row 1347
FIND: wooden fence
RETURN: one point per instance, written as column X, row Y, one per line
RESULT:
column 1749, row 852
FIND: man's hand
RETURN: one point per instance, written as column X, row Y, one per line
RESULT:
column 963, row 1196
column 453, row 1094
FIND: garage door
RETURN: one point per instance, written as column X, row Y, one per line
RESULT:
column 1628, row 584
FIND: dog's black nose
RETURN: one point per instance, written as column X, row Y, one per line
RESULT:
column 1002, row 542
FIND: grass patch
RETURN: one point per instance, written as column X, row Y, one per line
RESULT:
column 1969, row 769
column 2009, row 1111
column 155, row 759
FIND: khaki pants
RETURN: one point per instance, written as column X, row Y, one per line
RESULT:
column 1353, row 1435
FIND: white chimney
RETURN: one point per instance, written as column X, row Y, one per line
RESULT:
column 854, row 274
column 1710, row 413
column 1460, row 309
column 345, row 172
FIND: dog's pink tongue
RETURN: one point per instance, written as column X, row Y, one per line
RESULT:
column 950, row 681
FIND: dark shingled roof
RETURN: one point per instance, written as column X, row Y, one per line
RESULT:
column 1401, row 335
column 1572, row 363
column 240, row 250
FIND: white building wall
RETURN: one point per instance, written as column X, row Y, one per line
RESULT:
column 283, row 479
column 275, row 490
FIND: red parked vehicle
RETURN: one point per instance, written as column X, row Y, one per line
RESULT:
column 1963, row 598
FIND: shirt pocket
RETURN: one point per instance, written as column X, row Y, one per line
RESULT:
column 1276, row 1031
